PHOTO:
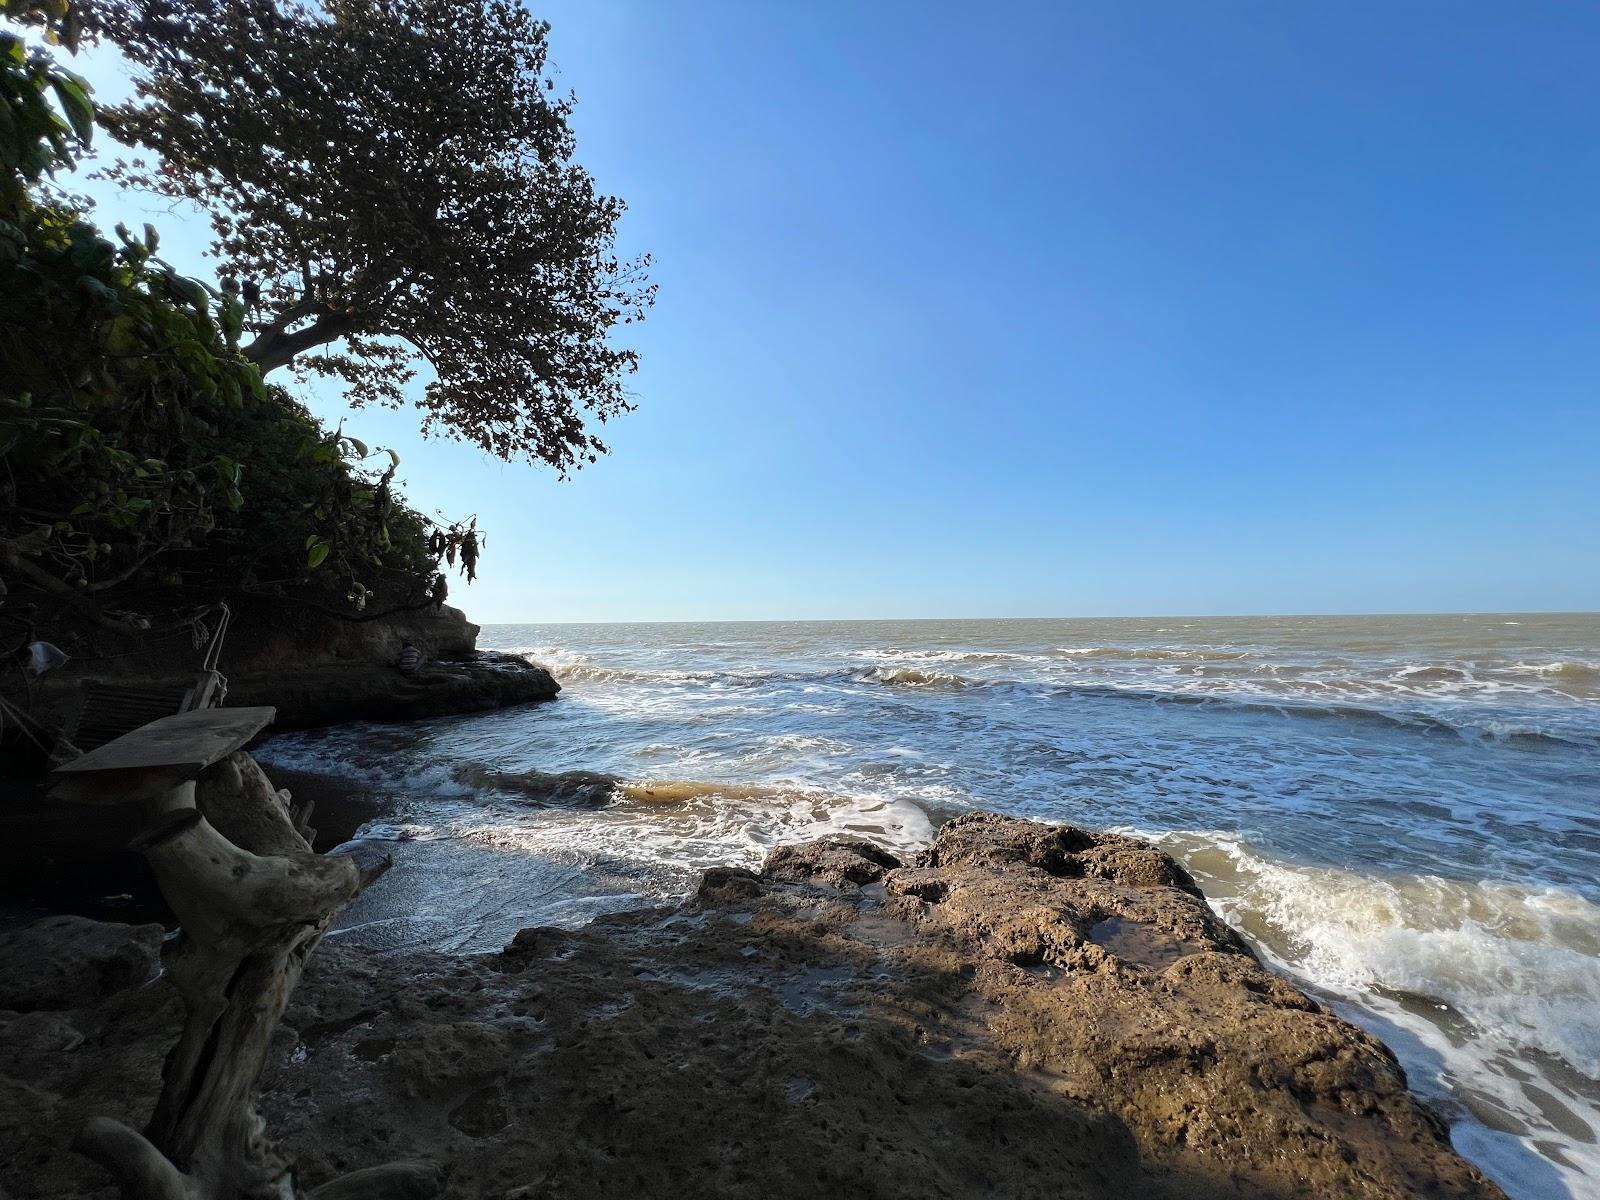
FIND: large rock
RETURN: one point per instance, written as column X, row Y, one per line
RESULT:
column 63, row 962
column 272, row 636
column 331, row 693
column 318, row 667
column 1023, row 1011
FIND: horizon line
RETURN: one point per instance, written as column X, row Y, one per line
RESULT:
column 1119, row 617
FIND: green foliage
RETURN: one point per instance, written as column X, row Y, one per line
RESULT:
column 112, row 364
column 46, row 117
column 391, row 184
column 319, row 521
column 142, row 460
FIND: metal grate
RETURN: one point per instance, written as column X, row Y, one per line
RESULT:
column 109, row 711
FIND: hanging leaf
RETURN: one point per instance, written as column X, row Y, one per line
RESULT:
column 74, row 96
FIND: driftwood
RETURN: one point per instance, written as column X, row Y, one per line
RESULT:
column 254, row 901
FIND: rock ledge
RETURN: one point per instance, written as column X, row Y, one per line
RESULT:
column 333, row 693
column 1022, row 1011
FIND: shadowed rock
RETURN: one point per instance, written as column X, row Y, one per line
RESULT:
column 1023, row 1011
column 67, row 962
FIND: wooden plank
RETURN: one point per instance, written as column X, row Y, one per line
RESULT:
column 181, row 745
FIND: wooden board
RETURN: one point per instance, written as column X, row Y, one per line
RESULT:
column 179, row 746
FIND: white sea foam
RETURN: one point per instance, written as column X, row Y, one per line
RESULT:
column 685, row 826
column 1511, row 973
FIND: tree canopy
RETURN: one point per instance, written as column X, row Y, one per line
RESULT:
column 391, row 183
column 144, row 466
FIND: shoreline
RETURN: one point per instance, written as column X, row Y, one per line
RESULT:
column 1021, row 1009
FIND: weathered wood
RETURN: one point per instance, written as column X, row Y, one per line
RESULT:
column 153, row 760
column 141, row 1169
column 253, row 904
column 185, row 743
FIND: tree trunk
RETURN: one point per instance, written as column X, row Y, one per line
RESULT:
column 274, row 347
column 254, row 901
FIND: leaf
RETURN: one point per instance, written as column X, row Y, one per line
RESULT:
column 186, row 291
column 318, row 553
column 74, row 96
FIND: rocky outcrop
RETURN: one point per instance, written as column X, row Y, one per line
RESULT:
column 1022, row 1011
column 318, row 668
column 284, row 636
column 334, row 692
column 64, row 962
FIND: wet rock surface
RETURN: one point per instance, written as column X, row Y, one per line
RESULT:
column 1023, row 1011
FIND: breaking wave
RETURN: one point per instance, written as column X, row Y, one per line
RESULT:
column 917, row 677
column 1155, row 653
column 1521, row 965
column 1494, row 987
column 1360, row 700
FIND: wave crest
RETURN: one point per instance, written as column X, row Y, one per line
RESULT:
column 1520, row 964
column 917, row 677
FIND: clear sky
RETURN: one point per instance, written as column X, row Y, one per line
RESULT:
column 1072, row 309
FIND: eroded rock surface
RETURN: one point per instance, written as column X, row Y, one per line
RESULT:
column 64, row 962
column 1024, row 1011
column 333, row 693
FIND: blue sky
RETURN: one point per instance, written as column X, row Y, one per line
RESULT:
column 1071, row 309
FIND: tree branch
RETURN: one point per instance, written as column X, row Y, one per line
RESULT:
column 274, row 348
column 143, row 1171
column 12, row 559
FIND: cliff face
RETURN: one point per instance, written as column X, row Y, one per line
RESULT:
column 1023, row 1011
column 316, row 668
column 268, row 637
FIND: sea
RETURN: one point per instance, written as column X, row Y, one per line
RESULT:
column 1401, row 813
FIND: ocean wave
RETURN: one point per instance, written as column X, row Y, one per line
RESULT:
column 1155, row 653
column 688, row 791
column 594, row 789
column 582, row 669
column 951, row 656
column 1520, row 964
column 916, row 677
column 1471, row 727
column 1393, row 700
column 1561, row 667
column 681, row 827
column 554, row 659
column 543, row 789
column 1432, row 674
column 1577, row 679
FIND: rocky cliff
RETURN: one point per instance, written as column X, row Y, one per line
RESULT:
column 318, row 668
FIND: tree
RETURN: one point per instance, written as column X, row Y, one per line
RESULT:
column 110, row 363
column 390, row 183
column 144, row 467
